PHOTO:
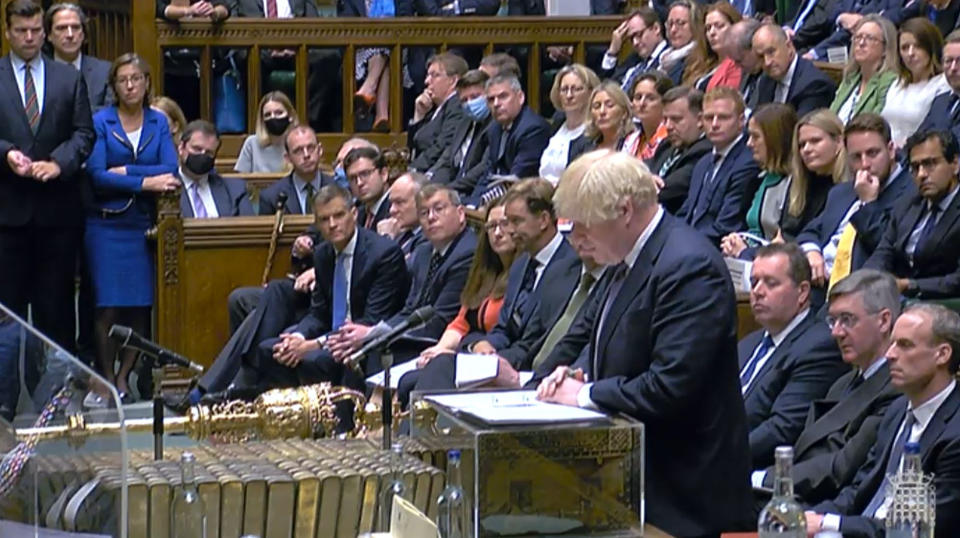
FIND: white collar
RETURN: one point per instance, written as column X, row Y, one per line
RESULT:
column 925, row 411
column 301, row 184
column 189, row 181
column 722, row 152
column 545, row 254
column 351, row 245
column 945, row 202
column 18, row 62
column 793, row 67
column 78, row 62
column 874, row 368
column 376, row 206
column 782, row 335
column 634, row 253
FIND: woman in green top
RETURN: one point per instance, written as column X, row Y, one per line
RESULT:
column 871, row 68
column 768, row 131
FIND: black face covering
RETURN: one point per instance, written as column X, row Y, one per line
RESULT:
column 199, row 163
column 277, row 126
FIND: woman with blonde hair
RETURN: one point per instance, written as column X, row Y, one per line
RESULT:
column 571, row 94
column 609, row 122
column 819, row 162
column 176, row 121
column 871, row 69
column 263, row 151
column 769, row 139
column 708, row 54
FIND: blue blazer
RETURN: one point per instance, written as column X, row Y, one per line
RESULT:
column 378, row 283
column 229, row 194
column 526, row 140
column 557, row 282
column 667, row 356
column 269, row 196
column 443, row 292
column 935, row 266
column 870, row 220
column 939, row 454
column 719, row 208
column 155, row 155
column 810, row 89
column 801, row 369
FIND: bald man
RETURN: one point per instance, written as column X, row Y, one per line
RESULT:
column 787, row 78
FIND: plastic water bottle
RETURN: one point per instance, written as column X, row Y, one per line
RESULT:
column 451, row 506
column 782, row 517
column 188, row 517
column 394, row 487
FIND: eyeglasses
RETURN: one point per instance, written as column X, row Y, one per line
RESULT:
column 438, row 209
column 136, row 79
column 502, row 224
column 866, row 39
column 573, row 90
column 925, row 164
column 678, row 23
column 845, row 321
column 362, row 175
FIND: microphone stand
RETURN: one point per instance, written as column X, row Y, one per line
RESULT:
column 157, row 368
column 386, row 408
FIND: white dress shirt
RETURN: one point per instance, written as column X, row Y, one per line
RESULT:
column 782, row 90
column 301, row 187
column 777, row 340
column 554, row 159
column 203, row 190
column 36, row 71
column 544, row 256
column 283, row 9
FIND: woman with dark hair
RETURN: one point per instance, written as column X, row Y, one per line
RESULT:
column 133, row 158
column 921, row 78
column 647, row 99
column 768, row 134
column 708, row 53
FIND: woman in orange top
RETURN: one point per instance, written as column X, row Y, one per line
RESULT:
column 647, row 99
column 482, row 295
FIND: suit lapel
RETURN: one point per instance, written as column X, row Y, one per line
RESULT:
column 941, row 228
column 750, row 343
column 14, row 94
column 778, row 353
column 911, row 217
column 359, row 259
column 845, row 409
column 939, row 421
column 221, row 198
column 186, row 210
column 293, row 198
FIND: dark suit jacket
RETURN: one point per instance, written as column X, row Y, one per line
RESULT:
column 676, row 178
column 719, row 208
column 254, row 8
column 382, row 212
column 839, row 37
column 618, row 72
column 870, row 220
column 269, row 196
column 816, row 27
column 65, row 135
column 526, row 140
column 443, row 292
column 463, row 177
column 810, row 89
column 434, row 8
column 945, row 20
column 800, row 370
column 940, row 455
column 666, row 355
column 936, row 263
column 839, row 431
column 229, row 194
column 557, row 282
column 378, row 283
column 430, row 137
column 939, row 115
column 96, row 73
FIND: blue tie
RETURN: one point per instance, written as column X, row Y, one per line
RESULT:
column 893, row 462
column 928, row 227
column 339, row 293
column 761, row 351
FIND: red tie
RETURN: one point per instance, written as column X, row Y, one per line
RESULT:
column 271, row 9
column 369, row 221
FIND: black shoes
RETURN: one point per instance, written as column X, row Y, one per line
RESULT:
column 246, row 393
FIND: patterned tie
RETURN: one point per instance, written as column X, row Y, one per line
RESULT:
column 271, row 9
column 927, row 228
column 954, row 101
column 368, row 221
column 843, row 261
column 199, row 210
column 766, row 343
column 339, row 292
column 893, row 462
column 32, row 107
column 435, row 260
column 668, row 164
column 526, row 286
column 630, row 79
column 562, row 325
column 309, row 193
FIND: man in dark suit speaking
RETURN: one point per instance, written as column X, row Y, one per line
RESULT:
column 46, row 133
column 660, row 345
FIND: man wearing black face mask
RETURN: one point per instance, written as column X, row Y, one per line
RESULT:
column 461, row 164
column 205, row 194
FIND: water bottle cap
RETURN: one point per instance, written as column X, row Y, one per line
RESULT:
column 912, row 447
column 783, row 452
column 187, row 456
column 453, row 455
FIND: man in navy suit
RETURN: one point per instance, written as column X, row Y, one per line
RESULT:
column 46, row 133
column 366, row 172
column 403, row 225
column 788, row 78
column 659, row 345
column 921, row 243
column 462, row 164
column 791, row 360
column 360, row 278
column 860, row 207
column 943, row 14
column 205, row 194
column 643, row 30
column 517, row 137
column 923, row 359
column 844, row 16
column 437, row 112
column 303, row 152
column 841, row 427
column 724, row 179
column 66, row 26
column 945, row 109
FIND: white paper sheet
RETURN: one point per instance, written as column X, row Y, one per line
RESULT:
column 513, row 407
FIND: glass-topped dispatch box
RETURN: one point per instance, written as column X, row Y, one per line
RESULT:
column 533, row 469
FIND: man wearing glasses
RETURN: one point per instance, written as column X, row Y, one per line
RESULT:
column 840, row 428
column 921, row 244
column 367, row 174
column 643, row 30
column 945, row 109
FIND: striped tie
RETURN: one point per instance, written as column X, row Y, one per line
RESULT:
column 271, row 9
column 32, row 107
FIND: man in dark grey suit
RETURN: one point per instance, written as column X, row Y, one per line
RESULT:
column 462, row 164
column 66, row 26
column 303, row 152
column 437, row 112
column 841, row 427
column 205, row 194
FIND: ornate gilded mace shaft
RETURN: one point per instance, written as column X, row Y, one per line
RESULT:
column 302, row 412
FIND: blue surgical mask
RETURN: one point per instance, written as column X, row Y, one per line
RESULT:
column 340, row 176
column 476, row 109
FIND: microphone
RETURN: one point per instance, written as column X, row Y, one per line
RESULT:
column 127, row 338
column 416, row 319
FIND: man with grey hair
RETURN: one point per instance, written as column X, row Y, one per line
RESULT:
column 66, row 26
column 658, row 344
column 787, row 78
column 515, row 139
column 739, row 47
column 923, row 357
column 841, row 427
column 403, row 224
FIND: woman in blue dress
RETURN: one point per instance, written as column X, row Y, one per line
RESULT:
column 133, row 159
